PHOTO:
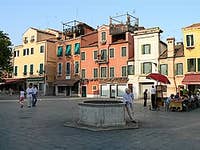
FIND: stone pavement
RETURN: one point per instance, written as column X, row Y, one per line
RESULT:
column 42, row 128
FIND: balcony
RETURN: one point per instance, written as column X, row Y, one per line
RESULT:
column 101, row 61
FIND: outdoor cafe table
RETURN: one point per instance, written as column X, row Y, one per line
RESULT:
column 176, row 104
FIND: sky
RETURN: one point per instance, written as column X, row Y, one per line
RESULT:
column 16, row 16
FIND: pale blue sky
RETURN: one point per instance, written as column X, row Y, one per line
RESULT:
column 170, row 15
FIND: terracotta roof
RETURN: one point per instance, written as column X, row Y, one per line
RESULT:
column 179, row 52
column 195, row 25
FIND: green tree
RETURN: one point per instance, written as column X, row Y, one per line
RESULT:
column 5, row 54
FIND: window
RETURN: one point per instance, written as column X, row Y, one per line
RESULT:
column 32, row 38
column 25, row 69
column 31, row 69
column 123, row 51
column 17, row 53
column 15, row 70
column 103, row 72
column 103, row 36
column 130, row 70
column 94, row 87
column 77, row 48
column 82, row 55
column 59, row 69
column 95, row 54
column 198, row 61
column 42, row 49
column 83, row 73
column 68, row 68
column 112, row 72
column 112, row 54
column 41, row 68
column 124, row 71
column 95, row 73
column 60, row 51
column 163, row 69
column 68, row 50
column 76, row 67
column 191, row 64
column 146, row 67
column 32, row 50
column 104, row 54
column 24, row 52
column 146, row 49
column 179, row 69
column 189, row 40
column 27, row 51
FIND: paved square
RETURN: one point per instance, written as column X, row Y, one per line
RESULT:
column 42, row 128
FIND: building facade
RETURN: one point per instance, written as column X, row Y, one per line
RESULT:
column 34, row 60
column 68, row 54
column 147, row 48
column 171, row 64
column 191, row 38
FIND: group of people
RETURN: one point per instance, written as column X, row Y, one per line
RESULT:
column 31, row 95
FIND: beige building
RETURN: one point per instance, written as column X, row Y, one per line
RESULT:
column 35, row 60
column 171, row 64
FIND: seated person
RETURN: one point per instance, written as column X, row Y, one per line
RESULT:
column 177, row 96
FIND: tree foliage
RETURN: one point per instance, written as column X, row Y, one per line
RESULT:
column 5, row 54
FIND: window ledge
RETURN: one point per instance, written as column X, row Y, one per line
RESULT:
column 189, row 47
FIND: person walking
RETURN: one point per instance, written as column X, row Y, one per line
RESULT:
column 35, row 92
column 153, row 98
column 128, row 98
column 145, row 97
column 21, row 97
column 29, row 92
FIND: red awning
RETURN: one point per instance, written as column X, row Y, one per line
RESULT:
column 158, row 77
column 191, row 79
column 11, row 80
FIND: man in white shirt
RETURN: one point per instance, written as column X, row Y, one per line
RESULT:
column 128, row 98
column 153, row 97
column 29, row 92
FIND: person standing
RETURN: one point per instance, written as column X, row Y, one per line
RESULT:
column 35, row 92
column 21, row 97
column 145, row 97
column 153, row 97
column 29, row 93
column 128, row 98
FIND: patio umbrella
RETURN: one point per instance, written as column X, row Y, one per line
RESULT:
column 158, row 77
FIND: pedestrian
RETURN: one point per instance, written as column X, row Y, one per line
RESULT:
column 35, row 93
column 153, row 98
column 128, row 98
column 21, row 97
column 29, row 92
column 145, row 97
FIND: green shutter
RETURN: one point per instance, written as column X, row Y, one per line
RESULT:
column 77, row 48
column 25, row 69
column 68, row 50
column 41, row 69
column 60, row 51
column 15, row 71
column 198, row 61
column 31, row 69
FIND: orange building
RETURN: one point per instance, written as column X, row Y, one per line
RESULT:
column 104, row 60
column 67, row 76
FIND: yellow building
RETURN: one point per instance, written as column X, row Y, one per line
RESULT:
column 35, row 60
column 192, row 56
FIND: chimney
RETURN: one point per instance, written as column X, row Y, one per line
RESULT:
column 170, row 47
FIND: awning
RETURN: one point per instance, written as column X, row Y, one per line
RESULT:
column 191, row 79
column 69, row 82
column 11, row 80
